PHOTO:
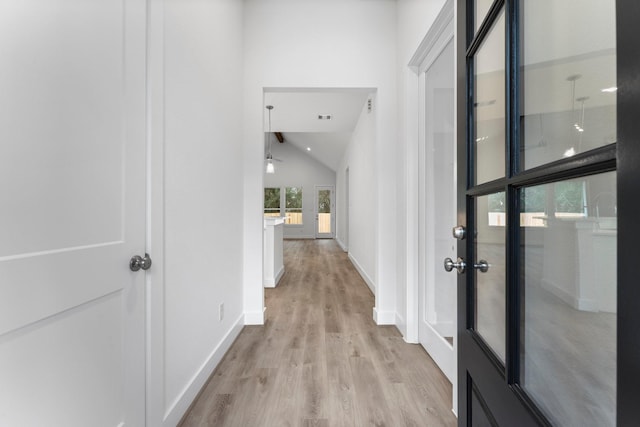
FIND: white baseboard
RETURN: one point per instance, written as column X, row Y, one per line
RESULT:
column 363, row 274
column 272, row 283
column 384, row 317
column 279, row 275
column 180, row 406
column 254, row 317
column 401, row 325
column 342, row 245
column 445, row 329
column 582, row 304
column 440, row 351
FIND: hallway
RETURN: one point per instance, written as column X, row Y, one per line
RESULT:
column 320, row 360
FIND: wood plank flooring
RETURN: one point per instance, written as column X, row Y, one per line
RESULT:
column 320, row 360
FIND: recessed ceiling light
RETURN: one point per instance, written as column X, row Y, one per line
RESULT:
column 308, row 148
column 609, row 89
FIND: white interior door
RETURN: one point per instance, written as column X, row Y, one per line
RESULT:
column 437, row 289
column 325, row 212
column 72, row 188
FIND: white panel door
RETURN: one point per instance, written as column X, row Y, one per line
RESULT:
column 72, row 212
column 437, row 289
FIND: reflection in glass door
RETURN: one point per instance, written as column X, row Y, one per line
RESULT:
column 569, row 299
column 324, row 212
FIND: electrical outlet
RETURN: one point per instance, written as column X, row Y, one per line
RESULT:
column 221, row 312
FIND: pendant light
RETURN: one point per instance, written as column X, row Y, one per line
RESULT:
column 577, row 125
column 270, row 167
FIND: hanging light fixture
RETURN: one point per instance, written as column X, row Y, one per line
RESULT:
column 270, row 167
column 572, row 78
column 578, row 123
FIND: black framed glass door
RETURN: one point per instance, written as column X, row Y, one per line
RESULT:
column 549, row 171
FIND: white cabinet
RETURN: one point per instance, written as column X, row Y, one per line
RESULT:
column 273, row 262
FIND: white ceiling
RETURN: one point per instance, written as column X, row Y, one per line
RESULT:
column 296, row 111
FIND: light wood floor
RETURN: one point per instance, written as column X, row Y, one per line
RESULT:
column 320, row 360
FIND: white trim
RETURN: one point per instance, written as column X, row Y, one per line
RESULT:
column 399, row 320
column 384, row 317
column 435, row 40
column 182, row 403
column 272, row 283
column 342, row 245
column 412, row 225
column 363, row 274
column 441, row 352
column 254, row 317
column 155, row 278
column 445, row 329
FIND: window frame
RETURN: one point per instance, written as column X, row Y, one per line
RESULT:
column 282, row 209
column 286, row 209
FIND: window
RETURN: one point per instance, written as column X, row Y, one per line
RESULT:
column 568, row 200
column 293, row 205
column 286, row 201
column 271, row 202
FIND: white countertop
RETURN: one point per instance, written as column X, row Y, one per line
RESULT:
column 273, row 220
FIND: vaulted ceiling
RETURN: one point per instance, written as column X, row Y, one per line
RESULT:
column 296, row 116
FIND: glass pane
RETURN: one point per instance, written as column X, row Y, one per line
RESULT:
column 568, row 78
column 490, row 285
column 439, row 300
column 324, row 211
column 480, row 9
column 272, row 202
column 293, row 205
column 569, row 300
column 489, row 106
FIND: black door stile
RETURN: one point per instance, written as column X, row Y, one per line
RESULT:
column 628, row 409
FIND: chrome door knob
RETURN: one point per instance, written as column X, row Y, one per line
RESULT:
column 459, row 232
column 137, row 262
column 482, row 265
column 459, row 265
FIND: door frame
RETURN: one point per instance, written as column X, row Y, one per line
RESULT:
column 155, row 384
column 316, row 233
column 441, row 32
column 345, row 244
column 624, row 158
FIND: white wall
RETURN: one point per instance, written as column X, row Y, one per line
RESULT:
column 297, row 169
column 358, row 158
column 334, row 43
column 203, row 186
column 415, row 17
